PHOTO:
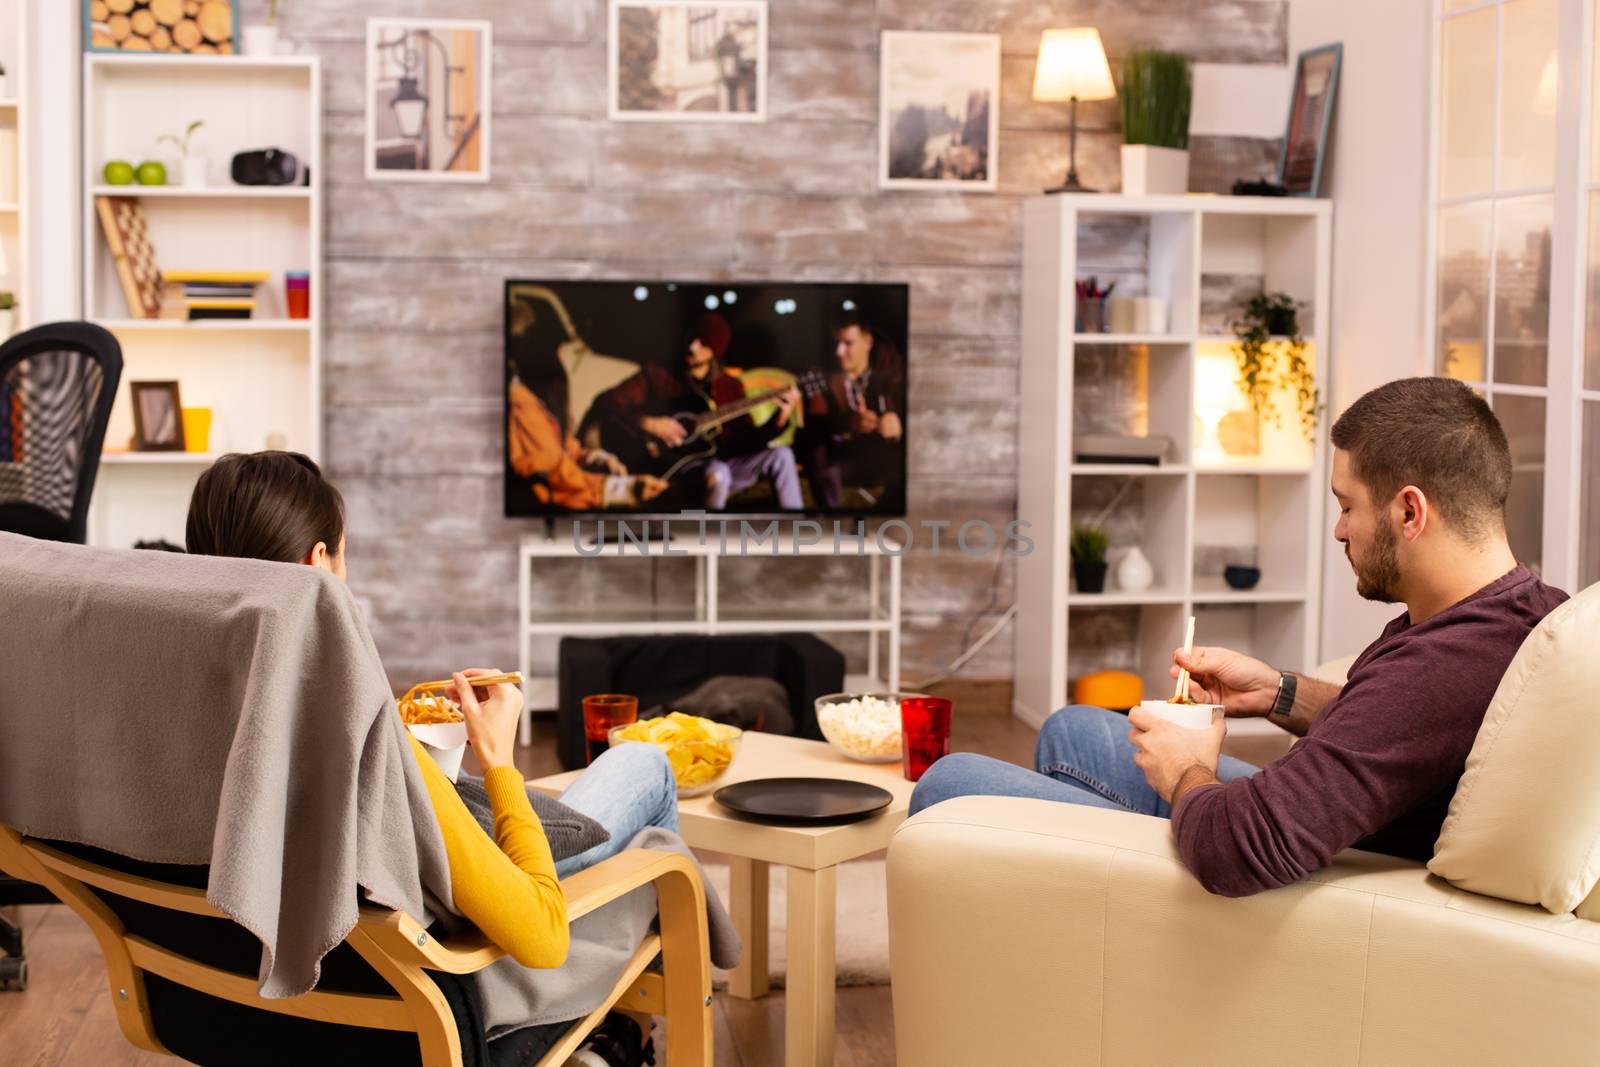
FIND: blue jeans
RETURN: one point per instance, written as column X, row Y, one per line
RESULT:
column 1083, row 757
column 733, row 475
column 626, row 789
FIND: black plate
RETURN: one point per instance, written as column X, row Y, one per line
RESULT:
column 803, row 800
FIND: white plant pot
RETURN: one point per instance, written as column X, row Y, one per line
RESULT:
column 194, row 171
column 7, row 322
column 1151, row 171
column 260, row 40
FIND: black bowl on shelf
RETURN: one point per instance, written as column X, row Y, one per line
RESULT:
column 1241, row 577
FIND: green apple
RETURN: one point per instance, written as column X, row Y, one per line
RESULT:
column 119, row 172
column 152, row 173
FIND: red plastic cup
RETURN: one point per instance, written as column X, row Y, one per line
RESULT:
column 602, row 712
column 924, row 733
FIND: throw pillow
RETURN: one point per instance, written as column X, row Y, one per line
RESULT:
column 568, row 830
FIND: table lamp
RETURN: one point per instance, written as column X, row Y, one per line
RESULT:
column 1072, row 66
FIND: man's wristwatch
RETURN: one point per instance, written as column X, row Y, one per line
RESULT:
column 1284, row 704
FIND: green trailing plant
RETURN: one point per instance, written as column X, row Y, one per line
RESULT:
column 182, row 143
column 272, row 12
column 1271, row 355
column 1089, row 544
column 1157, row 88
column 7, row 301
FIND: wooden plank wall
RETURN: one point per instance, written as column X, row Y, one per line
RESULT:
column 414, row 273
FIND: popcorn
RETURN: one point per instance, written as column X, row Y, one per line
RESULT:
column 866, row 727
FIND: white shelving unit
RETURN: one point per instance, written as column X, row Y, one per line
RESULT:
column 14, row 122
column 708, row 614
column 261, row 377
column 1201, row 501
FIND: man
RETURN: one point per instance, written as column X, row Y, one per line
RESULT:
column 1420, row 472
column 855, row 432
column 648, row 400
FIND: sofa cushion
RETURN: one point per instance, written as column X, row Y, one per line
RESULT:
column 1521, row 825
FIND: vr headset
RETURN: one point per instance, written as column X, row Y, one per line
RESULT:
column 269, row 166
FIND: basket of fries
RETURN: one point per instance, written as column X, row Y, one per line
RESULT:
column 700, row 750
column 436, row 721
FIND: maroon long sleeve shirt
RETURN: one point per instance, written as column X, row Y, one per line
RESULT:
column 1379, row 765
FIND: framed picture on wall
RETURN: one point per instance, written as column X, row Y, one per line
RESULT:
column 1305, row 142
column 938, row 114
column 157, row 417
column 688, row 60
column 201, row 27
column 428, row 101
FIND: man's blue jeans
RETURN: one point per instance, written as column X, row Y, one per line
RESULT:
column 1083, row 757
column 627, row 788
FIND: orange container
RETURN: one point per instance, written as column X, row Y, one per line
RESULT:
column 197, row 429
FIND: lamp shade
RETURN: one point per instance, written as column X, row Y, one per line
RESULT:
column 1072, row 63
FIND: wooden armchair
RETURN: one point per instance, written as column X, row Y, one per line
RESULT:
column 397, row 948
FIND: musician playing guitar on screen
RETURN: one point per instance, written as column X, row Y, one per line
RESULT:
column 691, row 425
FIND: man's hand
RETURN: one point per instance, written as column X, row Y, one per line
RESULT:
column 786, row 402
column 651, row 487
column 1244, row 687
column 600, row 459
column 862, row 420
column 491, row 713
column 667, row 429
column 1167, row 752
column 889, row 426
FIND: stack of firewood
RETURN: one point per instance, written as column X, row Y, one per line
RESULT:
column 162, row 25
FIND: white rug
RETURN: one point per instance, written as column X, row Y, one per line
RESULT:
column 862, row 951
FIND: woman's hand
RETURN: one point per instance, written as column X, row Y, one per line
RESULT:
column 1243, row 686
column 492, row 713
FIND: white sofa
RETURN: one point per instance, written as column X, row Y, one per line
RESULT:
column 1030, row 932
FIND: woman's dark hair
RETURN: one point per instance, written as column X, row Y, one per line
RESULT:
column 264, row 505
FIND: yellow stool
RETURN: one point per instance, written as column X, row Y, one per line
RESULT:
column 1117, row 690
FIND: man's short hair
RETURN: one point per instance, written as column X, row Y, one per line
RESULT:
column 1435, row 434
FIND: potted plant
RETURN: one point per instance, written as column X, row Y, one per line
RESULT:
column 1156, row 91
column 1089, row 545
column 262, row 40
column 1271, row 355
column 194, row 160
column 8, row 303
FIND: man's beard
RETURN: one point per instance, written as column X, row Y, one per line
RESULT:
column 1378, row 573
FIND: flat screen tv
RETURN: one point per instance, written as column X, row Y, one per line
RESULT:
column 659, row 398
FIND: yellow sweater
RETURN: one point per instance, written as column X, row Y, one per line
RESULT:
column 507, row 887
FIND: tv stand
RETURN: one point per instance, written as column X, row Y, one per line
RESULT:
column 708, row 615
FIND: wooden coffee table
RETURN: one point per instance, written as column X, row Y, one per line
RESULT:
column 812, row 855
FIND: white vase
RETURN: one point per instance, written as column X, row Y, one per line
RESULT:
column 1134, row 573
column 260, row 40
column 194, row 171
column 1151, row 171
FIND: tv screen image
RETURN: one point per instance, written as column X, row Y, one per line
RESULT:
column 660, row 397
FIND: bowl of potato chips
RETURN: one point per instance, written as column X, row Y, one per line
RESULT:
column 700, row 750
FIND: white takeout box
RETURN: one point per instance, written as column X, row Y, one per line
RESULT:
column 446, row 742
column 1188, row 716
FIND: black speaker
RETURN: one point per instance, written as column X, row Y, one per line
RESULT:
column 267, row 166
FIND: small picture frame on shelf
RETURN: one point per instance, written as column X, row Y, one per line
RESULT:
column 201, row 27
column 687, row 61
column 157, row 417
column 1305, row 141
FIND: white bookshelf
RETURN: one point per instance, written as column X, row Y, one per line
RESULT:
column 261, row 377
column 15, row 117
column 1200, row 503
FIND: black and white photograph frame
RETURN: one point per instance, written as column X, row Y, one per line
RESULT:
column 938, row 111
column 428, row 99
column 687, row 60
column 157, row 417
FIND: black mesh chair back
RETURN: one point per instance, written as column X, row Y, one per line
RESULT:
column 57, row 384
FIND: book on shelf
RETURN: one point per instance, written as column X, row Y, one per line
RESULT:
column 216, row 277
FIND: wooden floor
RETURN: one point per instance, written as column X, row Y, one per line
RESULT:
column 65, row 1017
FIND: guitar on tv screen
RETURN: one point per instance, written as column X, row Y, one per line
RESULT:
column 661, row 398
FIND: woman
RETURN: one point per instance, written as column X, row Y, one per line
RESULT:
column 277, row 506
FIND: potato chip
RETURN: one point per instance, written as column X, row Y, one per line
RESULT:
column 698, row 749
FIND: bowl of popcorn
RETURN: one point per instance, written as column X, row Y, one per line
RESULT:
column 700, row 750
column 863, row 726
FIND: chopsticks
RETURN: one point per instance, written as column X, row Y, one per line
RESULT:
column 1182, row 692
column 508, row 678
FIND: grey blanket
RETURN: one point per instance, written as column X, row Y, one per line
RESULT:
column 185, row 709
column 197, row 710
